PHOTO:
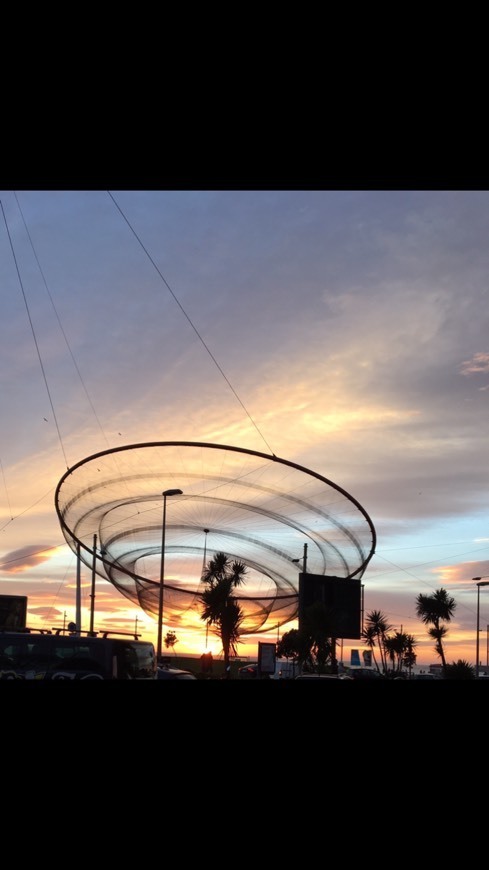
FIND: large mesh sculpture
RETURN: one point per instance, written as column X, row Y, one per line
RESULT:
column 254, row 507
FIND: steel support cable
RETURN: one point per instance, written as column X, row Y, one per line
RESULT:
column 61, row 325
column 191, row 324
column 35, row 340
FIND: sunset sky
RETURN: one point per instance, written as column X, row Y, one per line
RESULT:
column 345, row 331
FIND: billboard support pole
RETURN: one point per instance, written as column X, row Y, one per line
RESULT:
column 78, row 591
column 92, row 596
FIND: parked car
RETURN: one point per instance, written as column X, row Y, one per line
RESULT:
column 248, row 672
column 174, row 674
column 365, row 674
column 323, row 677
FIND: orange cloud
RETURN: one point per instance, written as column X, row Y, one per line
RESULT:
column 24, row 558
column 46, row 612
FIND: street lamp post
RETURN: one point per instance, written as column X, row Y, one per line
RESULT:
column 167, row 493
column 304, row 560
column 480, row 583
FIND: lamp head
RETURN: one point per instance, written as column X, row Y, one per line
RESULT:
column 172, row 492
column 480, row 581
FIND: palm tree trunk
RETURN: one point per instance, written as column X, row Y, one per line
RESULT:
column 225, row 649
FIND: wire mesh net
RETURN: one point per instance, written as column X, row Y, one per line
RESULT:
column 254, row 507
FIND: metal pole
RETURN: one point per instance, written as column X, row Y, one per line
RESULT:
column 477, row 633
column 479, row 584
column 162, row 574
column 304, row 561
column 92, row 596
column 162, row 569
column 78, row 621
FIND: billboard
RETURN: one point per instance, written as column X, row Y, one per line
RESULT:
column 266, row 658
column 355, row 658
column 367, row 658
column 341, row 596
column 13, row 612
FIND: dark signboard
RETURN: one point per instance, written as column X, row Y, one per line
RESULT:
column 341, row 597
column 266, row 658
column 13, row 612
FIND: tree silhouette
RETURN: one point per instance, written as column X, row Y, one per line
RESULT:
column 460, row 670
column 409, row 655
column 376, row 631
column 311, row 646
column 294, row 644
column 220, row 608
column 433, row 610
column 318, row 626
column 170, row 640
column 399, row 648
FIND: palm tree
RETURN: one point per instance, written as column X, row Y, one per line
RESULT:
column 369, row 637
column 395, row 646
column 433, row 610
column 460, row 670
column 220, row 608
column 318, row 627
column 170, row 640
column 377, row 629
column 409, row 655
column 400, row 648
column 311, row 646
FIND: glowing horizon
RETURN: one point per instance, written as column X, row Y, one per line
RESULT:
column 326, row 327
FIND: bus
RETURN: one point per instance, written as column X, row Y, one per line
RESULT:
column 43, row 655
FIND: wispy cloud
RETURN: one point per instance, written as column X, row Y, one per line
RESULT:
column 18, row 561
column 337, row 316
column 479, row 362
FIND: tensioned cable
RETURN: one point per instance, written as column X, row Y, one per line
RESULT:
column 61, row 325
column 424, row 564
column 35, row 340
column 26, row 510
column 192, row 325
column 6, row 490
column 69, row 350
